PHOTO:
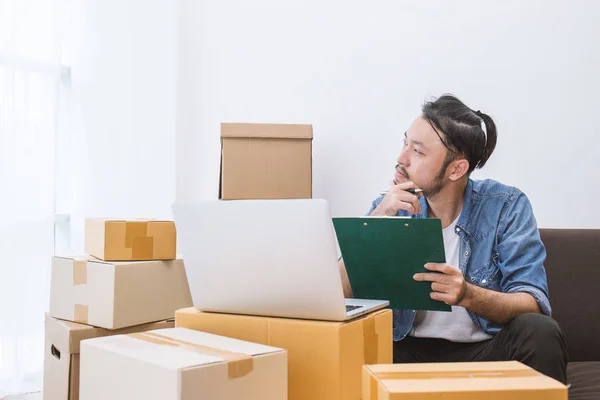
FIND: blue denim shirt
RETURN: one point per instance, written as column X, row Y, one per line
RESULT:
column 500, row 248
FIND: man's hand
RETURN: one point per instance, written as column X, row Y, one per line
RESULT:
column 396, row 199
column 447, row 283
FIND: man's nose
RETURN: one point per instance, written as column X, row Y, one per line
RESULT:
column 404, row 158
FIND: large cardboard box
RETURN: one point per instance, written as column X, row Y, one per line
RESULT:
column 325, row 359
column 266, row 161
column 130, row 240
column 465, row 381
column 181, row 364
column 61, row 357
column 115, row 295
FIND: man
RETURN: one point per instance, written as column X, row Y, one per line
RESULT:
column 494, row 277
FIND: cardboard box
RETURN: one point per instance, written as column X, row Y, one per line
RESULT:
column 266, row 161
column 130, row 240
column 61, row 357
column 325, row 359
column 181, row 364
column 115, row 295
column 465, row 381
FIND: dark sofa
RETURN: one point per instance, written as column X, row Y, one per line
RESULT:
column 573, row 271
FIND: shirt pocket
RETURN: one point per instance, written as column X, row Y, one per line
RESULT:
column 489, row 275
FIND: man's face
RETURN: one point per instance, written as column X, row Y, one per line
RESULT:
column 422, row 159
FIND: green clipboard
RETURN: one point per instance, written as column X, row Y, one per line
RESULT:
column 381, row 255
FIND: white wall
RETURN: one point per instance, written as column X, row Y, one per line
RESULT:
column 119, row 152
column 359, row 71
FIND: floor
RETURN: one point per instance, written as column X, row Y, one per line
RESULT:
column 29, row 396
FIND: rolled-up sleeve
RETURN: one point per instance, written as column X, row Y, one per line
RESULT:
column 374, row 205
column 521, row 252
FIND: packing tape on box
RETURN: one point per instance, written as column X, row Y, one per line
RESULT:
column 79, row 272
column 80, row 313
column 238, row 364
column 137, row 239
column 406, row 375
column 370, row 340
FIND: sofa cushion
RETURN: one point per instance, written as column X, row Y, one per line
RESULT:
column 573, row 273
column 584, row 378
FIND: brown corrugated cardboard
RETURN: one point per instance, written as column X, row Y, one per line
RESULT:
column 115, row 295
column 181, row 364
column 130, row 240
column 465, row 381
column 266, row 161
column 325, row 359
column 61, row 357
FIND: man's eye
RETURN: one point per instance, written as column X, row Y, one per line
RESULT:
column 418, row 152
column 404, row 143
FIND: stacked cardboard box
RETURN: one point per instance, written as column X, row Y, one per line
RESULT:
column 325, row 359
column 178, row 364
column 62, row 353
column 265, row 161
column 130, row 281
column 470, row 380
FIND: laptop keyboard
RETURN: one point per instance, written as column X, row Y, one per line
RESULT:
column 351, row 308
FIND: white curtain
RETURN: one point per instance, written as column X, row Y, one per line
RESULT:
column 30, row 79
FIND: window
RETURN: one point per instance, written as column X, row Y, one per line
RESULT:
column 30, row 82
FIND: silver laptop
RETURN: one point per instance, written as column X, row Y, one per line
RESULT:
column 265, row 257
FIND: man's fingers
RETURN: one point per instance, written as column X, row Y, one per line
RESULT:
column 439, row 287
column 446, row 298
column 439, row 267
column 430, row 277
column 443, row 268
column 405, row 185
column 417, row 205
column 403, row 205
column 409, row 203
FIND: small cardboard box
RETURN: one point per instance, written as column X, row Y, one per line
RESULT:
column 115, row 295
column 325, row 359
column 130, row 240
column 266, row 161
column 181, row 364
column 61, row 356
column 475, row 380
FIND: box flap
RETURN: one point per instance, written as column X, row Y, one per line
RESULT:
column 210, row 340
column 92, row 259
column 183, row 315
column 180, row 348
column 455, row 367
column 86, row 258
column 66, row 336
column 266, row 131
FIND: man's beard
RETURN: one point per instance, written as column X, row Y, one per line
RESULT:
column 438, row 182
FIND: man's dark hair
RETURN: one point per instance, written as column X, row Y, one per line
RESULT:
column 459, row 128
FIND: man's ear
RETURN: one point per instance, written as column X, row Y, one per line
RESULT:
column 458, row 169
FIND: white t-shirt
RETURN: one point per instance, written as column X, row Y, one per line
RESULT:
column 456, row 326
